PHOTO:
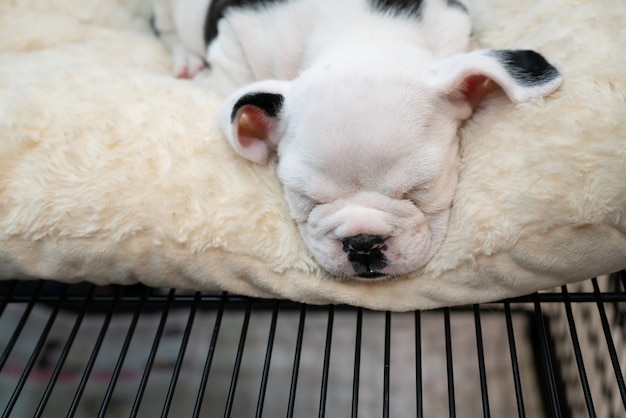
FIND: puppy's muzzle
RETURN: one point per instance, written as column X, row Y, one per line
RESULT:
column 366, row 254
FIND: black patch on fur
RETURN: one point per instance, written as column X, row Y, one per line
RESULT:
column 217, row 9
column 412, row 8
column 269, row 103
column 454, row 3
column 527, row 67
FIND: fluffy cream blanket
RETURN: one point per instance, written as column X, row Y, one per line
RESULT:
column 113, row 171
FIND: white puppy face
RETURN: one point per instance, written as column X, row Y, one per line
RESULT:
column 368, row 159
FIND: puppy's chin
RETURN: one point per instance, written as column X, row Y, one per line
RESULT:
column 399, row 255
column 372, row 276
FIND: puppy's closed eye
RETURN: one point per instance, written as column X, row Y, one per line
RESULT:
column 302, row 203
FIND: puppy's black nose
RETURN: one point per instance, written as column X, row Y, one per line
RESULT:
column 365, row 253
column 363, row 243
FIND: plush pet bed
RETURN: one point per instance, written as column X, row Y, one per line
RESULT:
column 113, row 171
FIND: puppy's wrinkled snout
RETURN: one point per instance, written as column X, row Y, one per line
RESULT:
column 365, row 253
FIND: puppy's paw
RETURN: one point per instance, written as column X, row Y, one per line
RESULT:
column 186, row 64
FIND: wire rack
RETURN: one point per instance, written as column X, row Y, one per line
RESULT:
column 87, row 351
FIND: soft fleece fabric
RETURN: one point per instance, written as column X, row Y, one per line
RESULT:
column 113, row 171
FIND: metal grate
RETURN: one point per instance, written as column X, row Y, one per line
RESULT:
column 87, row 351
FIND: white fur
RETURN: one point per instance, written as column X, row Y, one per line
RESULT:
column 367, row 137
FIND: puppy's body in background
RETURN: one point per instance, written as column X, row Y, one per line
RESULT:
column 251, row 40
column 361, row 101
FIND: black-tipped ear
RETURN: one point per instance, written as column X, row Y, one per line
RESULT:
column 522, row 75
column 269, row 103
column 528, row 68
column 250, row 118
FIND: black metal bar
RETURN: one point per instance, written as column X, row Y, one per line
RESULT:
column 419, row 384
column 238, row 358
column 619, row 376
column 296, row 364
column 514, row 364
column 35, row 354
column 356, row 374
column 578, row 354
column 20, row 326
column 209, row 359
column 449, row 363
column 63, row 357
column 181, row 355
column 387, row 365
column 546, row 361
column 326, row 367
column 150, row 361
column 94, row 355
column 267, row 362
column 481, row 362
column 121, row 358
column 577, row 297
column 186, row 300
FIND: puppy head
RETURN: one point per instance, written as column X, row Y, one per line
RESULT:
column 368, row 156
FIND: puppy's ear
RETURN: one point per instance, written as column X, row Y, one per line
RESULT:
column 522, row 74
column 250, row 118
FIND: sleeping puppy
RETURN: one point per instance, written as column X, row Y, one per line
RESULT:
column 360, row 101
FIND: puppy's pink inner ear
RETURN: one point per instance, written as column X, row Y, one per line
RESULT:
column 252, row 126
column 476, row 87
